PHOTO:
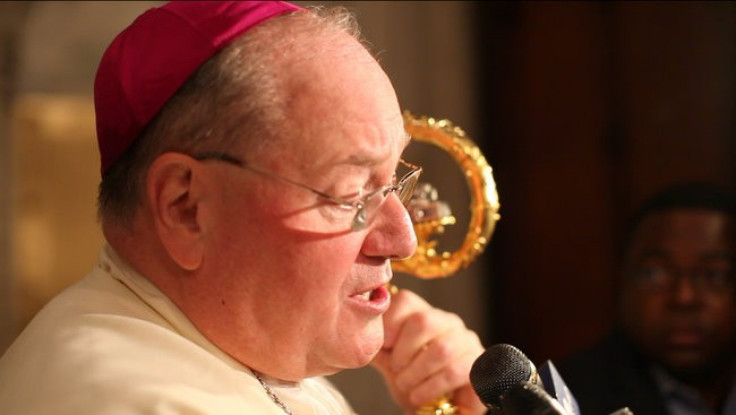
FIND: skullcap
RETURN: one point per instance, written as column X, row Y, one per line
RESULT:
column 149, row 61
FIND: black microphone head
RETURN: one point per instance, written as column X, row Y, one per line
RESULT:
column 526, row 398
column 497, row 370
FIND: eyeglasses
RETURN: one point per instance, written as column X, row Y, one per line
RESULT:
column 661, row 277
column 364, row 206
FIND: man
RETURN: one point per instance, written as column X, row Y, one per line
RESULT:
column 251, row 198
column 675, row 349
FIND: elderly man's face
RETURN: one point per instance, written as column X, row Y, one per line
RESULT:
column 678, row 301
column 295, row 297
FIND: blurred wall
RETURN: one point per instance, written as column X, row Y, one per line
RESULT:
column 12, row 18
column 52, row 234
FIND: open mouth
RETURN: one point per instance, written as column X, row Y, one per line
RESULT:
column 374, row 294
column 377, row 298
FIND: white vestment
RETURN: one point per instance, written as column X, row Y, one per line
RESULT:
column 114, row 344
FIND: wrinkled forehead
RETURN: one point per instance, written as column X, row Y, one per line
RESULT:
column 336, row 93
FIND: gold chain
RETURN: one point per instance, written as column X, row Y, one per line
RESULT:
column 271, row 394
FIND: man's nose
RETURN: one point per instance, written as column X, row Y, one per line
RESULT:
column 685, row 290
column 392, row 232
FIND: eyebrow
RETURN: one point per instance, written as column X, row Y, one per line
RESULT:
column 360, row 160
column 369, row 161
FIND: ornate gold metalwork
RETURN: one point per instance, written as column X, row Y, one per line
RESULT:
column 430, row 215
column 442, row 406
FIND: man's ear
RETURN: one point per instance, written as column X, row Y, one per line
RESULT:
column 173, row 192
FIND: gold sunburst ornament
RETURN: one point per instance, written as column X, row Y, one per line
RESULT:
column 430, row 215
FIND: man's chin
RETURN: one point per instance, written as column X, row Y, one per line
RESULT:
column 690, row 367
column 367, row 354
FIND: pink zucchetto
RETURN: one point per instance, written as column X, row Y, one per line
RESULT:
column 149, row 61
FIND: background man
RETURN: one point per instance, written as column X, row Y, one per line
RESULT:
column 675, row 349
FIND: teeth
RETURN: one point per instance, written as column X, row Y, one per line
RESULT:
column 366, row 295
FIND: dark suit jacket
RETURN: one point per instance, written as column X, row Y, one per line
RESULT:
column 610, row 376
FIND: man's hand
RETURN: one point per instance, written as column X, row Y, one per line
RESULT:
column 427, row 353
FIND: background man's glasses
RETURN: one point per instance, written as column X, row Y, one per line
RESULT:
column 364, row 207
column 709, row 279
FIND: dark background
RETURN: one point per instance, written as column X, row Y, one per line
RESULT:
column 588, row 107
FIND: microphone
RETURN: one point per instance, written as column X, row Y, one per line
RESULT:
column 507, row 382
column 527, row 398
column 497, row 370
